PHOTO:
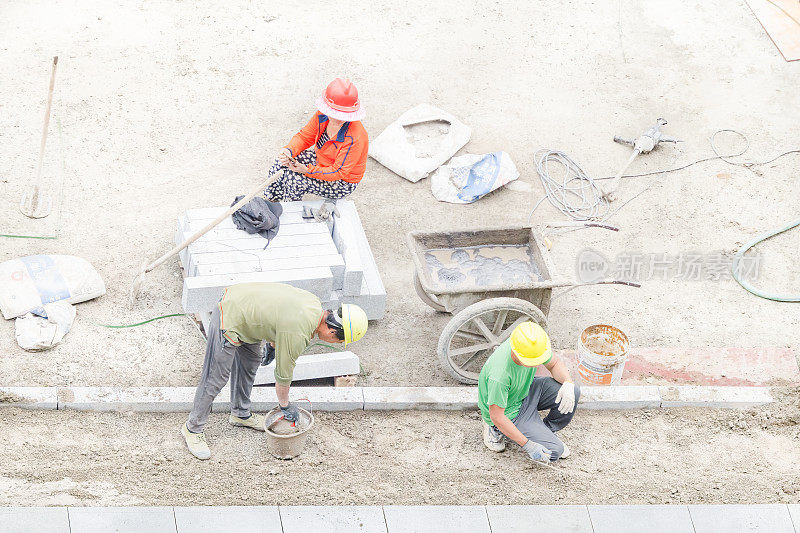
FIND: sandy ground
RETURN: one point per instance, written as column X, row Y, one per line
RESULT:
column 665, row 456
column 166, row 106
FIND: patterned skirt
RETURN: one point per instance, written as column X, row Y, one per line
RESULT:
column 291, row 186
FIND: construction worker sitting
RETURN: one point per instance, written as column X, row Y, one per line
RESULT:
column 510, row 397
column 328, row 157
column 247, row 315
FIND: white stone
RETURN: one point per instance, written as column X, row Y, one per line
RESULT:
column 202, row 293
column 251, row 244
column 313, row 366
column 334, row 262
column 218, row 519
column 142, row 399
column 34, row 519
column 344, row 235
column 29, row 397
column 339, row 519
column 549, row 518
column 424, row 398
column 703, row 396
column 770, row 518
column 322, row 399
column 619, row 397
column 280, row 253
column 374, row 285
column 122, row 519
column 641, row 519
column 438, row 518
column 293, row 230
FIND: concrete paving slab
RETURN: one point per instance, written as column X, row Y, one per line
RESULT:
column 619, row 397
column 350, row 519
column 436, row 518
column 222, row 234
column 315, row 366
column 286, row 252
column 550, row 518
column 372, row 275
column 140, row 399
column 38, row 519
column 255, row 264
column 202, row 293
column 731, row 397
column 344, row 236
column 386, row 398
column 641, row 519
column 122, row 519
column 741, row 518
column 228, row 519
column 29, row 397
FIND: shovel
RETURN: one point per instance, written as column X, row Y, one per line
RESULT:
column 33, row 205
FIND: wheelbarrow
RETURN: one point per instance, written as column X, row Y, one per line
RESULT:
column 490, row 280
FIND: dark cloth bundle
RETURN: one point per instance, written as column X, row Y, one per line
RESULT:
column 258, row 216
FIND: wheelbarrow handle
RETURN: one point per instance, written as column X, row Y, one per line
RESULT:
column 554, row 284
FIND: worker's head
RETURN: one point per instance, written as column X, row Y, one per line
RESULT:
column 530, row 345
column 347, row 325
column 340, row 101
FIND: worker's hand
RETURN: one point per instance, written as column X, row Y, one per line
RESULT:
column 566, row 398
column 290, row 412
column 536, row 451
column 283, row 156
column 297, row 167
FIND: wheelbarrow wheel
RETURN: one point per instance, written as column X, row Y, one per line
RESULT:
column 427, row 298
column 472, row 335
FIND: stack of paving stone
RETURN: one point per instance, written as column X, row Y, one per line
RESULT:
column 332, row 260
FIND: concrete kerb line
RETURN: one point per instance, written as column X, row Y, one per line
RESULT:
column 179, row 399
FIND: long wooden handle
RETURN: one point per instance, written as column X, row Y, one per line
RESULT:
column 261, row 186
column 46, row 120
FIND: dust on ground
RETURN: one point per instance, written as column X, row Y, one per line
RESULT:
column 166, row 106
column 650, row 456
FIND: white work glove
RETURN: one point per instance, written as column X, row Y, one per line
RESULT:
column 566, row 398
column 536, row 451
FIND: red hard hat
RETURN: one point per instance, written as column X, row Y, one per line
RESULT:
column 342, row 95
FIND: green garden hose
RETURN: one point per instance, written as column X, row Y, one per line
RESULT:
column 747, row 285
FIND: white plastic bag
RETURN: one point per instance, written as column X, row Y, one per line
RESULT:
column 35, row 333
column 468, row 177
column 420, row 140
column 30, row 282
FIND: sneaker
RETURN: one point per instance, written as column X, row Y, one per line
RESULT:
column 566, row 452
column 196, row 442
column 255, row 421
column 493, row 438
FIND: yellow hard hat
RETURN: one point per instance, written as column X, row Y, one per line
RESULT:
column 531, row 344
column 354, row 323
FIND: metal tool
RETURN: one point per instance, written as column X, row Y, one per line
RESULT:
column 645, row 143
column 33, row 203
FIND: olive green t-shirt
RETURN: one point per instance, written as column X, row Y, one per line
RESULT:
column 503, row 383
column 273, row 312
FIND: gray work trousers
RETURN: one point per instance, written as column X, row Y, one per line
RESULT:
column 542, row 396
column 223, row 361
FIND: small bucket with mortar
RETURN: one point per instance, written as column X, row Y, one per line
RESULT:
column 602, row 352
column 284, row 439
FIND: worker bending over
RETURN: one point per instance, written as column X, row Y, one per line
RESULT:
column 510, row 397
column 247, row 315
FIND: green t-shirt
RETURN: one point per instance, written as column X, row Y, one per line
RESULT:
column 503, row 383
column 273, row 312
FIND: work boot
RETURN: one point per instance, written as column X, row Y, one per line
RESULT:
column 493, row 438
column 255, row 421
column 566, row 452
column 196, row 442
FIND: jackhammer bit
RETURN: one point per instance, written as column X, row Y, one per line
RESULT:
column 645, row 143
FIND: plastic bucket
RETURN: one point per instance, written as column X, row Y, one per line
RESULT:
column 284, row 440
column 602, row 352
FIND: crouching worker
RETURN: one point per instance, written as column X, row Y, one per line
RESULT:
column 510, row 397
column 247, row 315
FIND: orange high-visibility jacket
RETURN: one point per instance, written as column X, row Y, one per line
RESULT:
column 342, row 158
